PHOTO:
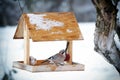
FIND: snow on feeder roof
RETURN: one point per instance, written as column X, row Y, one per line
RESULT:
column 49, row 26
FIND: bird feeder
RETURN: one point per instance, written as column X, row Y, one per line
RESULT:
column 49, row 26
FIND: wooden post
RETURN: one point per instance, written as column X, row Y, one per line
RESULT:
column 26, row 45
column 70, row 52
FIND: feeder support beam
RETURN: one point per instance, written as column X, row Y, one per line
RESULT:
column 26, row 44
column 70, row 52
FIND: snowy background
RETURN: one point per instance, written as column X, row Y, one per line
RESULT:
column 96, row 68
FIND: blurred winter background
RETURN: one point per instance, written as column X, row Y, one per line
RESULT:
column 96, row 67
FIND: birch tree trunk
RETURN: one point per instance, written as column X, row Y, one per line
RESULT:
column 105, row 31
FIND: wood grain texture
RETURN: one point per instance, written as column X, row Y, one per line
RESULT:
column 70, row 52
column 26, row 45
column 48, row 67
column 69, row 31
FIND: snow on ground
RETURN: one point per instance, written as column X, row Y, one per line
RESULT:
column 96, row 68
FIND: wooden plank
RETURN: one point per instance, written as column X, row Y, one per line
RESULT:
column 49, row 67
column 19, row 30
column 26, row 44
column 70, row 52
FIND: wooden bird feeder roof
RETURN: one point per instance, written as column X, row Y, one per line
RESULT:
column 49, row 26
